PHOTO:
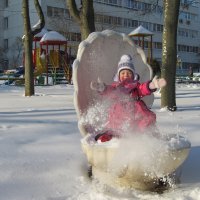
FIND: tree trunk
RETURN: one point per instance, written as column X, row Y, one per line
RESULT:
column 169, row 53
column 83, row 16
column 28, row 39
column 29, row 78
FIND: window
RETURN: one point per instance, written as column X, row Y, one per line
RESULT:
column 58, row 12
column 74, row 36
column 5, row 3
column 134, row 23
column 129, row 22
column 5, row 23
column 185, row 48
column 187, row 33
column 125, row 22
column 99, row 18
column 67, row 14
column 159, row 27
column 5, row 44
column 158, row 45
column 146, row 44
column 113, row 2
column 49, row 11
column 106, row 19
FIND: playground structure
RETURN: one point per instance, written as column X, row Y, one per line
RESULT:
column 51, row 58
column 141, row 33
column 51, row 61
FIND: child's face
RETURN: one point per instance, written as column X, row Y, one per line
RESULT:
column 125, row 74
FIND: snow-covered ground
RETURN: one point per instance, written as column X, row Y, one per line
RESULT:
column 41, row 156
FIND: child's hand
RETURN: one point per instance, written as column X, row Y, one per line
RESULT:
column 98, row 86
column 157, row 83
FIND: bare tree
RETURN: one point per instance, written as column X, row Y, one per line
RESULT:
column 84, row 16
column 28, row 39
column 169, row 53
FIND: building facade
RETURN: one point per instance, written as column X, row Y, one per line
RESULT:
column 122, row 16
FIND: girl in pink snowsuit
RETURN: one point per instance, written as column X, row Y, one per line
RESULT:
column 128, row 109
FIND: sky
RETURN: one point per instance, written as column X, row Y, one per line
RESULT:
column 41, row 157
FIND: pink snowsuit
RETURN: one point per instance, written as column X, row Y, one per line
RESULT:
column 127, row 107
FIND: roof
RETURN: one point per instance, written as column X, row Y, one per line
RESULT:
column 140, row 31
column 53, row 37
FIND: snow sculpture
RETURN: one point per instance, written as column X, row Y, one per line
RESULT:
column 97, row 58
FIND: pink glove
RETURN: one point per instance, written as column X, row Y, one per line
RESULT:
column 98, row 86
column 157, row 83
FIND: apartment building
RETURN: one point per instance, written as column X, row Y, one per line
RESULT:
column 119, row 15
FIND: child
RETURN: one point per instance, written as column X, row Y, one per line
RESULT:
column 128, row 109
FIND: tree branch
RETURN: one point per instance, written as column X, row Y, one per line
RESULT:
column 71, row 4
column 41, row 23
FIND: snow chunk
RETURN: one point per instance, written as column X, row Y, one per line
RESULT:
column 178, row 142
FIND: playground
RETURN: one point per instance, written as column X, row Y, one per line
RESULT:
column 52, row 61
